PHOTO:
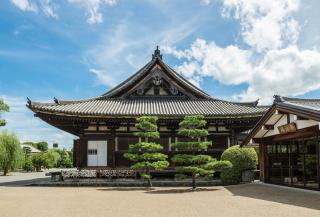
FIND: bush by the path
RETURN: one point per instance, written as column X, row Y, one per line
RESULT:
column 242, row 159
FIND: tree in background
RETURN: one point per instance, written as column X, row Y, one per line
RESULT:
column 39, row 161
column 27, row 164
column 42, row 146
column 10, row 152
column 52, row 158
column 65, row 160
column 3, row 108
column 197, row 165
column 145, row 154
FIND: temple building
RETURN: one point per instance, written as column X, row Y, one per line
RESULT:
column 105, row 124
column 288, row 137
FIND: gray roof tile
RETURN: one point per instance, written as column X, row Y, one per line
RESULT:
column 150, row 106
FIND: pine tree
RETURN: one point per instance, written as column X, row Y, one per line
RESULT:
column 192, row 163
column 145, row 154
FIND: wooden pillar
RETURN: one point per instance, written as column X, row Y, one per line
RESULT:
column 262, row 165
column 75, row 153
column 82, row 152
column 111, row 149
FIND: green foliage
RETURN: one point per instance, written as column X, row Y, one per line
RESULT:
column 192, row 127
column 219, row 165
column 190, row 146
column 65, row 160
column 145, row 155
column 26, row 152
column 52, row 158
column 28, row 166
column 39, row 160
column 42, row 146
column 10, row 152
column 145, row 146
column 196, row 165
column 242, row 159
column 3, row 108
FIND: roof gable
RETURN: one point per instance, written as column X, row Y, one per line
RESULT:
column 156, row 78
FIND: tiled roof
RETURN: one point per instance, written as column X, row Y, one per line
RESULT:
column 304, row 104
column 161, row 106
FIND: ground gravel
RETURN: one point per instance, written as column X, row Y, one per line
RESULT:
column 240, row 200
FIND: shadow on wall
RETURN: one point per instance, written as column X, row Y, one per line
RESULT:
column 277, row 194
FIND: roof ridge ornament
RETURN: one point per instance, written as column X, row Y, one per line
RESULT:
column 277, row 98
column 157, row 54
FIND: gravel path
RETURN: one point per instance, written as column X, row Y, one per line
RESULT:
column 240, row 200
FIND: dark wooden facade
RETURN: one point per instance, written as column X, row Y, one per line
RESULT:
column 156, row 89
column 289, row 147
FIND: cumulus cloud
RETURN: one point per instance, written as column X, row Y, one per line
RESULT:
column 229, row 65
column 287, row 71
column 265, row 24
column 92, row 8
column 270, row 30
column 25, row 5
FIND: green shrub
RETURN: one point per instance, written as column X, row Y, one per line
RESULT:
column 39, row 161
column 28, row 166
column 242, row 159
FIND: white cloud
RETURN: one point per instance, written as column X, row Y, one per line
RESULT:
column 29, row 128
column 265, row 24
column 93, row 8
column 49, row 9
column 229, row 65
column 46, row 6
column 25, row 5
column 104, row 77
column 287, row 72
column 267, row 27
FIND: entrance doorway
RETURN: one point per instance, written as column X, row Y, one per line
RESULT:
column 97, row 153
column 294, row 162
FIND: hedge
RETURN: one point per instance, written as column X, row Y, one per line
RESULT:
column 242, row 159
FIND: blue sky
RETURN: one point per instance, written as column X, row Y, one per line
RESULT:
column 74, row 49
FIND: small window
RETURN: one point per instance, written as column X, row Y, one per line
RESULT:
column 92, row 151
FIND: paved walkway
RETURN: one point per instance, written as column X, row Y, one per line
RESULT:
column 240, row 200
column 22, row 178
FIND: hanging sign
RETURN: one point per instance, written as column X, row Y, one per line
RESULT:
column 288, row 128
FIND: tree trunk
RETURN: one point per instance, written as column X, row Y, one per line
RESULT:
column 149, row 179
column 5, row 171
column 194, row 181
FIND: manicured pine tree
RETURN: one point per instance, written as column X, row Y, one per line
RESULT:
column 192, row 163
column 145, row 154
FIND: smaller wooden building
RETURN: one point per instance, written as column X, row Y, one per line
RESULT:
column 289, row 143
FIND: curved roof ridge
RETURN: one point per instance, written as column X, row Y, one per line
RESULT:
column 185, row 80
column 131, row 79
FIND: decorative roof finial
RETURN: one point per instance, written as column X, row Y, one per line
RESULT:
column 277, row 98
column 157, row 53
